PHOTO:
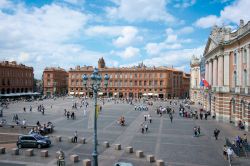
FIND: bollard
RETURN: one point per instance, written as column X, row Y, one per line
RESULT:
column 74, row 158
column 150, row 158
column 15, row 151
column 139, row 153
column 44, row 153
column 2, row 150
column 86, row 162
column 83, row 140
column 58, row 138
column 160, row 163
column 70, row 139
column 106, row 144
column 118, row 147
column 129, row 149
column 29, row 152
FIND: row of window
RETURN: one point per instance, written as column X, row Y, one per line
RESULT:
column 15, row 73
column 236, row 54
column 124, row 75
column 150, row 90
column 125, row 83
column 15, row 81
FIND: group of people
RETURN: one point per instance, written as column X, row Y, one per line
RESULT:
column 42, row 129
column 197, row 131
column 68, row 114
column 144, row 125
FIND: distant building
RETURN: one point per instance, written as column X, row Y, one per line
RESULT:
column 55, row 81
column 195, row 80
column 15, row 78
column 136, row 82
column 227, row 58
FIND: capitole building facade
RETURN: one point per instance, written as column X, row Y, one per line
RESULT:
column 227, row 70
column 135, row 82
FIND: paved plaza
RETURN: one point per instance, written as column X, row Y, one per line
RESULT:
column 172, row 142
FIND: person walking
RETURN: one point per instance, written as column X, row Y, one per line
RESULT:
column 216, row 133
column 230, row 153
column 146, row 128
column 142, row 128
column 75, row 137
column 150, row 119
column 171, row 117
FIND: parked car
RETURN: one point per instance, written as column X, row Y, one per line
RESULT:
column 33, row 140
column 123, row 164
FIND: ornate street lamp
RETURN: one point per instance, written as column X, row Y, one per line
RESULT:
column 95, row 86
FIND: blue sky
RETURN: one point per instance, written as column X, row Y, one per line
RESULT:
column 67, row 33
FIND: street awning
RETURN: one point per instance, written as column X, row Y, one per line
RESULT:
column 81, row 93
column 115, row 93
column 156, row 94
column 71, row 93
column 100, row 93
column 150, row 94
column 145, row 94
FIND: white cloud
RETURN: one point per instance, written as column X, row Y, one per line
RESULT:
column 185, row 30
column 180, row 58
column 23, row 57
column 122, row 35
column 104, row 30
column 128, row 37
column 40, row 36
column 75, row 2
column 206, row 22
column 184, row 3
column 129, row 52
column 171, row 42
column 5, row 4
column 230, row 14
column 132, row 10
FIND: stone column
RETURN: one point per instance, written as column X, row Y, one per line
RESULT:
column 239, row 67
column 226, row 69
column 215, row 71
column 220, row 70
column 248, row 65
column 206, row 72
column 210, row 78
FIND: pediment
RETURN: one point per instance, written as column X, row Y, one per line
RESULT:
column 211, row 44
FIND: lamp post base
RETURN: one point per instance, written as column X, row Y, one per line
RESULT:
column 95, row 158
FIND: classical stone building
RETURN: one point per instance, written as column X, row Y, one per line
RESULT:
column 195, row 89
column 55, row 81
column 15, row 78
column 227, row 57
column 137, row 81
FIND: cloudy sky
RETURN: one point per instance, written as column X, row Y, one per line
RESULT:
column 67, row 33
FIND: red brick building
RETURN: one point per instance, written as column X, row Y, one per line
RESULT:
column 137, row 81
column 15, row 78
column 55, row 81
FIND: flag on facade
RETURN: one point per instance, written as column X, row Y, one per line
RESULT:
column 206, row 84
column 201, row 83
